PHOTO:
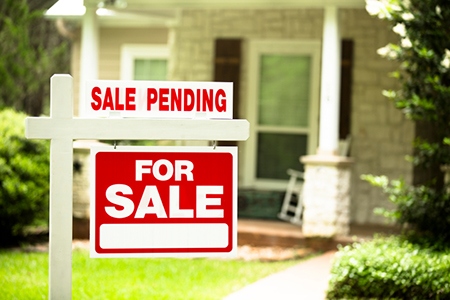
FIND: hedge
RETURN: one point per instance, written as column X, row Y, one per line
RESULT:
column 393, row 268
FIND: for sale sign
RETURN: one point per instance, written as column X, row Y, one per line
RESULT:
column 163, row 201
column 159, row 99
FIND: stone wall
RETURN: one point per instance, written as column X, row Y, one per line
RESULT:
column 381, row 137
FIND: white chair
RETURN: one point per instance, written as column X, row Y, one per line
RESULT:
column 292, row 207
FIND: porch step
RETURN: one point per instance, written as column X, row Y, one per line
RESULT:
column 270, row 233
column 267, row 233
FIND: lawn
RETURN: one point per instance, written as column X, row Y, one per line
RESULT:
column 25, row 276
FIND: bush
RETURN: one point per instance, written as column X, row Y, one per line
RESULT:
column 422, row 208
column 24, row 175
column 392, row 268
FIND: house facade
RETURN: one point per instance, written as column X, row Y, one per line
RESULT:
column 305, row 74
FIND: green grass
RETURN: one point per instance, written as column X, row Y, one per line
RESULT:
column 25, row 276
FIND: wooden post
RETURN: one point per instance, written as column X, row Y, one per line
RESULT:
column 60, row 224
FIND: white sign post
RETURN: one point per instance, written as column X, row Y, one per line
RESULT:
column 61, row 128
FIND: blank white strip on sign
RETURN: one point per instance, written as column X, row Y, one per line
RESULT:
column 141, row 236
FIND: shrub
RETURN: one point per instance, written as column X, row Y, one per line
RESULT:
column 423, row 208
column 391, row 268
column 24, row 175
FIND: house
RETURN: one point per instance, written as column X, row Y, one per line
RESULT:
column 306, row 74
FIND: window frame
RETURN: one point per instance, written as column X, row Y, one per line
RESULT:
column 257, row 48
column 130, row 52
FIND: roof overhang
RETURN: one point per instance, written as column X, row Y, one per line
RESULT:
column 112, row 16
column 232, row 4
column 121, row 13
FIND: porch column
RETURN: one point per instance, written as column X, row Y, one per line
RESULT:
column 326, row 191
column 89, row 51
column 330, row 83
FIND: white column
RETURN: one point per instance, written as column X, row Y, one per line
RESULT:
column 89, row 52
column 326, row 191
column 330, row 84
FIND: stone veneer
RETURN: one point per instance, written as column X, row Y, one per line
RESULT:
column 381, row 137
column 326, row 195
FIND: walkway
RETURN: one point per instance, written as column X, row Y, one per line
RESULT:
column 307, row 280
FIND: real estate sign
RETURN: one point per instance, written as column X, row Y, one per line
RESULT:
column 161, row 99
column 163, row 201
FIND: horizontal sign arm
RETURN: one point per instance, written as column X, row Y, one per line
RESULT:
column 136, row 129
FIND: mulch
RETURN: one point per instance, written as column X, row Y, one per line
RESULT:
column 244, row 252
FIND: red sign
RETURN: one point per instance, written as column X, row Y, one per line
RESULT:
column 163, row 201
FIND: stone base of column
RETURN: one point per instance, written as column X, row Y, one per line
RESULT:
column 326, row 195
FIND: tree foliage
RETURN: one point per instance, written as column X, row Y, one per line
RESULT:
column 414, row 266
column 31, row 51
column 423, row 53
column 423, row 50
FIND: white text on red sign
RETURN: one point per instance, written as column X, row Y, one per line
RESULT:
column 151, row 202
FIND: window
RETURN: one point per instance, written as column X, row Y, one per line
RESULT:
column 282, row 109
column 144, row 62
